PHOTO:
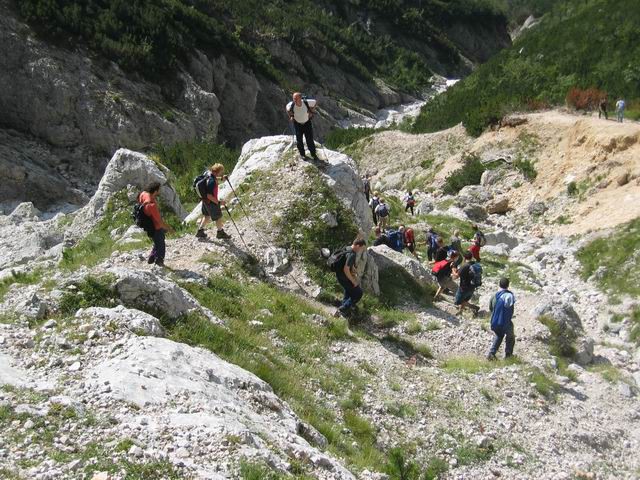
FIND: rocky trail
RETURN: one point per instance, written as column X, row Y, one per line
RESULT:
column 116, row 368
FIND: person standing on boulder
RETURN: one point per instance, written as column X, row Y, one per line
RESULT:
column 620, row 106
column 301, row 111
column 501, row 308
column 466, row 287
column 383, row 213
column 347, row 276
column 148, row 198
column 211, row 205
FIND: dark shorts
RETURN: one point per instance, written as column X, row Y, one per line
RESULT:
column 210, row 209
column 462, row 297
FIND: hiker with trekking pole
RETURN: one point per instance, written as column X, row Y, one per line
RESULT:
column 343, row 263
column 301, row 110
column 206, row 186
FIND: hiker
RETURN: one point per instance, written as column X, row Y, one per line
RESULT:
column 366, row 183
column 456, row 245
column 409, row 240
column 301, row 111
column 148, row 198
column 467, row 285
column 442, row 251
column 602, row 108
column 382, row 212
column 373, row 203
column 478, row 241
column 432, row 243
column 409, row 201
column 346, row 274
column 501, row 307
column 620, row 105
column 207, row 188
column 442, row 271
column 396, row 238
column 381, row 238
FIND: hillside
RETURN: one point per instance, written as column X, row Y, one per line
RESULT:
column 577, row 44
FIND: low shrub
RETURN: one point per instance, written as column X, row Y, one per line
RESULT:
column 585, row 99
column 469, row 174
column 342, row 137
column 89, row 292
column 561, row 339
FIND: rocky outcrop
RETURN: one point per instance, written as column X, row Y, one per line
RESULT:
column 133, row 320
column 501, row 236
column 368, row 272
column 386, row 258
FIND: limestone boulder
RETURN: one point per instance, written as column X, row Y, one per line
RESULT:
column 498, row 206
column 368, row 272
column 134, row 320
column 386, row 258
column 425, row 207
column 475, row 213
column 501, row 249
column 473, row 195
column 502, row 237
column 276, row 260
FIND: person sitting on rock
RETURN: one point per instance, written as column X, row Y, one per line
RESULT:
column 301, row 111
column 409, row 240
column 478, row 241
column 466, row 287
column 211, row 204
column 501, row 307
column 442, row 250
column 373, row 203
column 443, row 270
column 148, row 198
column 409, row 201
column 347, row 277
column 383, row 213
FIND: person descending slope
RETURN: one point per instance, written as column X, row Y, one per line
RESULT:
column 442, row 272
column 343, row 262
column 409, row 240
column 478, row 241
column 373, row 203
column 409, row 201
column 206, row 186
column 156, row 228
column 432, row 243
column 383, row 212
column 501, row 308
column 467, row 286
column 301, row 111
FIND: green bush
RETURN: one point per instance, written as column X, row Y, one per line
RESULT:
column 342, row 137
column 469, row 174
column 527, row 168
column 572, row 189
column 561, row 339
column 89, row 292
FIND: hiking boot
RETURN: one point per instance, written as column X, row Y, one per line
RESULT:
column 151, row 259
column 303, row 158
column 160, row 263
column 222, row 234
column 337, row 313
column 315, row 157
column 491, row 357
column 200, row 233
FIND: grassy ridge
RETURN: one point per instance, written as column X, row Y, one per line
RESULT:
column 579, row 43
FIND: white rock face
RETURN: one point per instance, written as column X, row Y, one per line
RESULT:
column 501, row 236
column 25, row 302
column 125, row 168
column 501, row 249
column 368, row 272
column 386, row 258
column 154, row 372
column 134, row 320
column 144, row 288
column 276, row 260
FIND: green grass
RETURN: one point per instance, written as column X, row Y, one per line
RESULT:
column 575, row 45
column 20, row 278
column 473, row 365
column 609, row 372
column 561, row 339
column 435, row 468
column 613, row 253
column 89, row 292
column 634, row 334
column 343, row 137
column 299, row 358
column 544, row 385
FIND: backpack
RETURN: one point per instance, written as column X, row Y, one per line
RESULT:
column 395, row 240
column 476, row 270
column 438, row 267
column 200, row 184
column 433, row 240
column 141, row 219
column 375, row 201
column 480, row 239
column 384, row 210
column 310, row 110
column 411, row 202
column 337, row 259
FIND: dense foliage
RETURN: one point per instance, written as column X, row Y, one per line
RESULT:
column 580, row 43
column 152, row 37
column 469, row 174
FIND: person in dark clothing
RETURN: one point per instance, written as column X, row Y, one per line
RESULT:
column 602, row 108
column 502, row 307
column 409, row 201
column 409, row 240
column 432, row 244
column 381, row 238
column 211, row 204
column 456, row 245
column 442, row 251
column 148, row 198
column 301, row 111
column 442, row 271
column 366, row 184
column 373, row 203
column 466, row 288
column 347, row 277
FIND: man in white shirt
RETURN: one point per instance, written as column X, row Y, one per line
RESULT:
column 300, row 112
column 620, row 104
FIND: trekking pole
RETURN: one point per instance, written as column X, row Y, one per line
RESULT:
column 238, row 198
column 236, row 227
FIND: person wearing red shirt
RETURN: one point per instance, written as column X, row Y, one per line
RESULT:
column 410, row 240
column 148, row 198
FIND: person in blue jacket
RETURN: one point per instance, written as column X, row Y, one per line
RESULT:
column 501, row 307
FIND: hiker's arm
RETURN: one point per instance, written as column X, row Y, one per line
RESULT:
column 492, row 303
column 349, row 275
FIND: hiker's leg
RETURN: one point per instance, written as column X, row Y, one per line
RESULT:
column 308, row 135
column 412, row 211
column 159, row 245
column 497, row 341
column 356, row 295
column 511, row 341
column 430, row 253
column 216, row 215
column 299, row 143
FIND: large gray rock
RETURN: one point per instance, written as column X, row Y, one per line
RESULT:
column 476, row 213
column 473, row 195
column 29, row 241
column 368, row 272
column 501, row 236
column 135, row 320
column 25, row 302
column 143, row 289
column 387, row 258
column 125, row 168
column 425, row 207
column 276, row 260
column 160, row 375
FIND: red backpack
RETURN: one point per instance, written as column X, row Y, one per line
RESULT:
column 439, row 266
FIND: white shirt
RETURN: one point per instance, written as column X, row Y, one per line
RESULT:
column 300, row 113
column 619, row 105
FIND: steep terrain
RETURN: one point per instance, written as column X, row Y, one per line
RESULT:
column 78, row 80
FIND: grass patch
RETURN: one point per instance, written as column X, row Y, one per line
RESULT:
column 435, row 468
column 20, row 278
column 89, row 292
column 609, row 372
column 400, row 409
column 468, row 453
column 544, row 385
column 414, row 327
column 473, row 365
column 343, row 137
column 469, row 174
column 561, row 339
column 616, row 256
column 432, row 326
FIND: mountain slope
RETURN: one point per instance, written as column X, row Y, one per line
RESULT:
column 578, row 44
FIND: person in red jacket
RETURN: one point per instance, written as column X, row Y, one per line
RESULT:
column 148, row 198
column 409, row 240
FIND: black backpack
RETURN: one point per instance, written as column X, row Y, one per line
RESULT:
column 141, row 219
column 337, row 259
column 310, row 110
column 200, row 184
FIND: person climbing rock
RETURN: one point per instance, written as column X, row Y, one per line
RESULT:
column 466, row 288
column 301, row 111
column 442, row 271
column 501, row 307
column 477, row 242
column 373, row 203
column 366, row 186
column 409, row 240
column 346, row 274
column 383, row 213
column 207, row 188
column 620, row 106
column 409, row 201
column 148, row 200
